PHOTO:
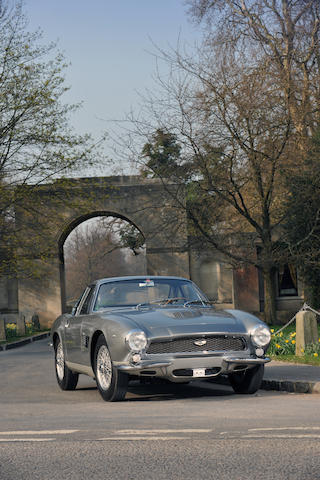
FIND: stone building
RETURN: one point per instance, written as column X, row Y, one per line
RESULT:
column 147, row 204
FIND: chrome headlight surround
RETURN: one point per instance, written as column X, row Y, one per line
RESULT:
column 261, row 336
column 136, row 340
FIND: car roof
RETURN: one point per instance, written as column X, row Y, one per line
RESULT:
column 138, row 277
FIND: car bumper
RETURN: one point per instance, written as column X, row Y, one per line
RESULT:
column 188, row 368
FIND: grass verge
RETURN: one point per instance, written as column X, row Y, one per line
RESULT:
column 305, row 359
column 283, row 347
column 16, row 338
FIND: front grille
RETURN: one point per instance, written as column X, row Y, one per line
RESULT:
column 213, row 343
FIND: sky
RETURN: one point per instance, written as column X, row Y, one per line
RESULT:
column 109, row 44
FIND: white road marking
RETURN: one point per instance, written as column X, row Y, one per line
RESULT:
column 292, row 435
column 38, row 432
column 26, row 439
column 151, row 432
column 281, row 428
column 129, row 439
column 236, row 432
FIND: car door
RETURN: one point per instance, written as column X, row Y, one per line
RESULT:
column 76, row 342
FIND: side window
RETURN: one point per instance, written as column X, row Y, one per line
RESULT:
column 87, row 300
column 76, row 305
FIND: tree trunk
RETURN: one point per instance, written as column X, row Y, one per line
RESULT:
column 270, row 312
column 312, row 294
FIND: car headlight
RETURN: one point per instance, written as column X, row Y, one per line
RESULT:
column 261, row 336
column 136, row 340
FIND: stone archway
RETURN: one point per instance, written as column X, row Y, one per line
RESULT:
column 145, row 203
column 71, row 227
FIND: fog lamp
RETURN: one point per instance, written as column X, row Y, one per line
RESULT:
column 259, row 352
column 136, row 357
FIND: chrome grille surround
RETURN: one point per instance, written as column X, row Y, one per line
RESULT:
column 214, row 343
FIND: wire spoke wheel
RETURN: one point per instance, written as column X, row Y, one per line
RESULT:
column 60, row 362
column 111, row 383
column 104, row 367
column 67, row 379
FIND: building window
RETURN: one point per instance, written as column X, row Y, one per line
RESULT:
column 287, row 281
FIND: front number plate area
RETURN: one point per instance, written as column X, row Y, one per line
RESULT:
column 199, row 372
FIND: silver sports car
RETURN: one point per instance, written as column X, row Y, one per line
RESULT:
column 137, row 327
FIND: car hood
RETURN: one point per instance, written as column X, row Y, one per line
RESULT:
column 163, row 322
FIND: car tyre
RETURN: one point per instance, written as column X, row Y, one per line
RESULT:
column 112, row 383
column 67, row 380
column 248, row 381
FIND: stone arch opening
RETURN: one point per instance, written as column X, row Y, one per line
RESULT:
column 106, row 243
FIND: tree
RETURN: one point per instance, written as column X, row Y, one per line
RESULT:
column 162, row 154
column 302, row 226
column 242, row 107
column 287, row 34
column 130, row 237
column 232, row 190
column 36, row 143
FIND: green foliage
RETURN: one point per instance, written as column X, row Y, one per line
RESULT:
column 305, row 359
column 162, row 154
column 12, row 332
column 131, row 237
column 284, row 343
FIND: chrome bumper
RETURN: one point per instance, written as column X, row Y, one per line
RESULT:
column 165, row 369
column 249, row 362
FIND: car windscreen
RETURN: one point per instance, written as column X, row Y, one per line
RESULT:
column 146, row 291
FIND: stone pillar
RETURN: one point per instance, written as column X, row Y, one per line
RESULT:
column 307, row 331
column 21, row 326
column 3, row 329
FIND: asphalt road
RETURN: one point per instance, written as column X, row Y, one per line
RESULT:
column 196, row 431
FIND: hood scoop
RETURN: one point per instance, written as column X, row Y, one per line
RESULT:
column 182, row 314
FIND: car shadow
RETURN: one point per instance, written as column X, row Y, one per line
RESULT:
column 160, row 390
column 174, row 391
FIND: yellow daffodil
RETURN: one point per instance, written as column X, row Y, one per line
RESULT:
column 280, row 334
column 278, row 346
column 315, row 355
column 11, row 326
column 287, row 341
column 302, row 350
column 293, row 342
column 272, row 331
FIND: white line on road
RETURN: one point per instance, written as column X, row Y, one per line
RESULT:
column 281, row 428
column 129, row 439
column 292, row 435
column 38, row 432
column 6, row 440
column 151, row 432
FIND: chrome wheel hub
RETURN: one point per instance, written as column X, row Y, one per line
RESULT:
column 60, row 362
column 104, row 368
